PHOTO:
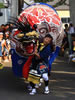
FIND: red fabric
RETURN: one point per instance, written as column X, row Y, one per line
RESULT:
column 26, row 67
column 17, row 32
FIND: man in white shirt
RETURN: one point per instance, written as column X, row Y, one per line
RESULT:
column 70, row 32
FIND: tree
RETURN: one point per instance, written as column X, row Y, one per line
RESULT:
column 28, row 2
column 5, row 4
column 1, row 5
column 20, row 2
column 59, row 2
column 43, row 1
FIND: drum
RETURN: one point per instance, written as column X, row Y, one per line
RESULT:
column 34, row 77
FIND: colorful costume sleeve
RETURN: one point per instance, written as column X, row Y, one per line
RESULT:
column 44, row 54
column 53, row 56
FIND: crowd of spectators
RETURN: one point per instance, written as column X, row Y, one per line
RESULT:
column 69, row 39
column 5, row 31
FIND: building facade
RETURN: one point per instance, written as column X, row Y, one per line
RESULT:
column 72, row 11
column 15, row 5
column 12, row 10
column 63, row 11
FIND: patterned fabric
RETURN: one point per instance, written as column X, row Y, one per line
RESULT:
column 17, row 63
column 34, row 77
column 42, row 68
column 41, row 65
column 53, row 57
column 45, row 53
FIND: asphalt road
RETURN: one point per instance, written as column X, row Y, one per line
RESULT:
column 62, row 83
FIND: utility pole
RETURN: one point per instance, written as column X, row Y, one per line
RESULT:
column 14, row 8
column 72, row 11
column 20, row 5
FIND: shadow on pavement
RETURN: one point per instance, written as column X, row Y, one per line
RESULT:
column 62, row 83
column 62, row 80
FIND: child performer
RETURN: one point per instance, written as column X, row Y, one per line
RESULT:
column 41, row 62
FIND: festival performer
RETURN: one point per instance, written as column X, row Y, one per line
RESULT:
column 24, row 42
column 40, row 62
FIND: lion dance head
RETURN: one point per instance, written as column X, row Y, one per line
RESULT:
column 39, row 17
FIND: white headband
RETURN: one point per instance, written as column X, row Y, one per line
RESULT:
column 1, row 33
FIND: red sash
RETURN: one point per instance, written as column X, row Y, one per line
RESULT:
column 26, row 66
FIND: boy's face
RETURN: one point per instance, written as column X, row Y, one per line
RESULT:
column 47, row 40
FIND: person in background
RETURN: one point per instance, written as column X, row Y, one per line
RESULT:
column 70, row 32
column 7, row 34
column 1, row 48
column 11, row 27
column 66, row 29
column 3, row 28
column 65, row 39
column 7, row 26
column 6, row 56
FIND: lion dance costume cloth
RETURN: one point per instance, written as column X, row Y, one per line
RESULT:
column 39, row 17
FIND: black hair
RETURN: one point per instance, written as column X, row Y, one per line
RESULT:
column 71, row 24
column 2, row 25
column 66, row 25
column 6, row 24
column 35, row 26
column 51, row 43
column 48, row 35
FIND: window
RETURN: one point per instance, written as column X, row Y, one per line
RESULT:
column 65, row 20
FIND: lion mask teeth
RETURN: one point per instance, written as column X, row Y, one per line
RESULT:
column 20, row 35
column 33, row 33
